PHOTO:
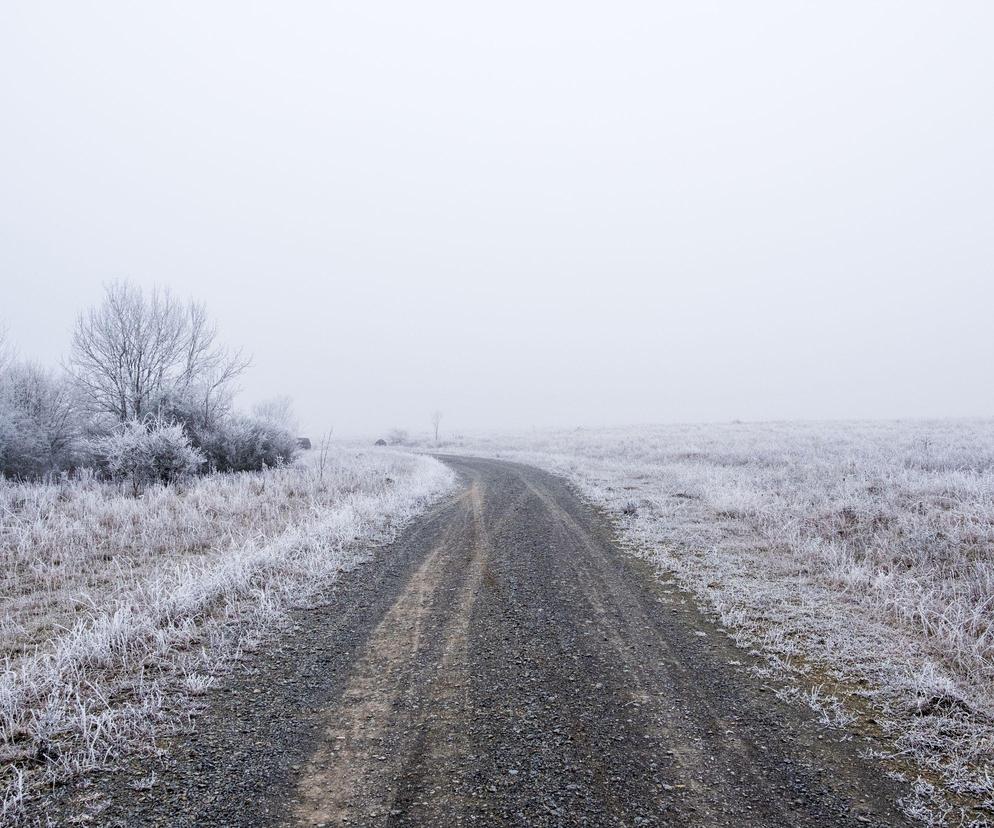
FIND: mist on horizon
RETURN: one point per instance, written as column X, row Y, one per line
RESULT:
column 532, row 215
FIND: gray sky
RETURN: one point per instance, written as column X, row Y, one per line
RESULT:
column 521, row 213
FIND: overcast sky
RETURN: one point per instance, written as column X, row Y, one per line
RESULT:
column 537, row 213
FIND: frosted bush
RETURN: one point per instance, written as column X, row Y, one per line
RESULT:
column 247, row 444
column 142, row 452
column 39, row 423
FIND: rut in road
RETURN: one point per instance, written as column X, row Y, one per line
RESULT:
column 530, row 673
column 409, row 693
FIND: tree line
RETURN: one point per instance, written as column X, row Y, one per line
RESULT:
column 145, row 394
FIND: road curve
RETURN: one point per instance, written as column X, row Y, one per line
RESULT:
column 504, row 663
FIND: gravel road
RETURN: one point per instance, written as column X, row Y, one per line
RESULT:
column 504, row 663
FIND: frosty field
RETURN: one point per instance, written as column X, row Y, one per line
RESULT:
column 856, row 556
column 117, row 611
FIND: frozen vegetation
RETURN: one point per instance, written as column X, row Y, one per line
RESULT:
column 118, row 610
column 148, row 397
column 858, row 558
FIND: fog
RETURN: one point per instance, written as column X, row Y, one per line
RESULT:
column 522, row 214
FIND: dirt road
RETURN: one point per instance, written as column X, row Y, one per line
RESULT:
column 503, row 663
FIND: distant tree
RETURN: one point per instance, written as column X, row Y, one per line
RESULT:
column 277, row 411
column 134, row 351
column 436, row 421
column 397, row 437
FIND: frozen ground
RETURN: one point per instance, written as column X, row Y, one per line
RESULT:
column 118, row 612
column 859, row 557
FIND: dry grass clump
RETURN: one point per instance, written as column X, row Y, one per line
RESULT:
column 119, row 611
column 861, row 551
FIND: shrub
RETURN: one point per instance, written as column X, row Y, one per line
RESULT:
column 39, row 422
column 149, row 451
column 397, row 437
column 230, row 442
column 247, row 444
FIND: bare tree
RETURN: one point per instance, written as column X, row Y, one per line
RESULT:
column 436, row 421
column 134, row 350
column 277, row 411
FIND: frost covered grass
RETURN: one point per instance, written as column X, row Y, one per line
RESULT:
column 858, row 557
column 118, row 611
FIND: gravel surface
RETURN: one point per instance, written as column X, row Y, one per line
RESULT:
column 502, row 663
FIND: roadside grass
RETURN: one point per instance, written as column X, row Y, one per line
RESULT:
column 862, row 551
column 118, row 613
